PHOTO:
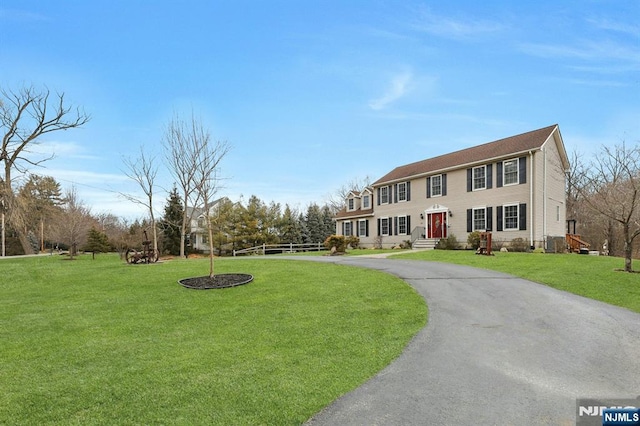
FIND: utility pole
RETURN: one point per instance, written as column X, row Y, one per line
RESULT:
column 4, row 251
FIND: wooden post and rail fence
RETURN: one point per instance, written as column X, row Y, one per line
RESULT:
column 264, row 249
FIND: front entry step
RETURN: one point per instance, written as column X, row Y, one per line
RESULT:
column 425, row 243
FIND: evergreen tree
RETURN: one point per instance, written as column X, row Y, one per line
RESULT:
column 304, row 229
column 329, row 226
column 172, row 222
column 40, row 198
column 315, row 226
column 97, row 242
column 290, row 228
column 222, row 220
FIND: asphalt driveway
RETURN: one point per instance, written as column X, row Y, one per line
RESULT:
column 496, row 350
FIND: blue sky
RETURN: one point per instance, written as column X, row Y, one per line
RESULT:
column 313, row 94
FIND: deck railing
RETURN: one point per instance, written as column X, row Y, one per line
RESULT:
column 576, row 244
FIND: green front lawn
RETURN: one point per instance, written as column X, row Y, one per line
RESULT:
column 596, row 277
column 103, row 342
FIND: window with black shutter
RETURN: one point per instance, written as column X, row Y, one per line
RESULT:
column 522, row 169
column 523, row 217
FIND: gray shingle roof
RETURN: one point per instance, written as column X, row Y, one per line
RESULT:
column 500, row 148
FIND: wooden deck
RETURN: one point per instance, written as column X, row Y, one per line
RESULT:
column 576, row 244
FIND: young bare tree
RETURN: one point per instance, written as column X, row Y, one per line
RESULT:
column 183, row 141
column 26, row 115
column 611, row 187
column 207, row 179
column 73, row 222
column 143, row 171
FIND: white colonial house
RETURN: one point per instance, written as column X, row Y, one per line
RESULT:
column 512, row 187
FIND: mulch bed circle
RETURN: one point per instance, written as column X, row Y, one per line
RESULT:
column 218, row 281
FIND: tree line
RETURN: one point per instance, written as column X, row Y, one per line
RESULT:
column 603, row 197
column 238, row 225
column 53, row 220
column 35, row 212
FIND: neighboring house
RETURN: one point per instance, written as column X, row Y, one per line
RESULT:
column 513, row 187
column 198, row 232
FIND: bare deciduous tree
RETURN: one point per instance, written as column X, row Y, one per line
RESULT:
column 26, row 115
column 336, row 200
column 610, row 186
column 207, row 179
column 183, row 143
column 73, row 222
column 143, row 171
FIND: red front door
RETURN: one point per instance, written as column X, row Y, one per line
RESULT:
column 437, row 227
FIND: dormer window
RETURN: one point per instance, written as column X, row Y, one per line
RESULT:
column 366, row 202
column 384, row 195
column 351, row 204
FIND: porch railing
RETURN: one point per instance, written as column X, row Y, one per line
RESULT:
column 418, row 233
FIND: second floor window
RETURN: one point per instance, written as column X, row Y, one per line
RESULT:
column 384, row 195
column 436, row 186
column 402, row 191
column 510, row 170
column 365, row 201
column 351, row 203
column 479, row 178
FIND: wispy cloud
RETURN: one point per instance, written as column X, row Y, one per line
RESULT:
column 73, row 176
column 585, row 50
column 616, row 26
column 21, row 16
column 69, row 150
column 397, row 88
column 455, row 28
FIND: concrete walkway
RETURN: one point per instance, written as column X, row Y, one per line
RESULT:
column 497, row 350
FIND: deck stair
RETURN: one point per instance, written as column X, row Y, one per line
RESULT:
column 576, row 244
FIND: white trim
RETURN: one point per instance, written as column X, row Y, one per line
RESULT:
column 517, row 161
column 531, row 209
column 436, row 208
column 504, row 217
column 406, row 228
column 382, row 188
column 368, row 197
column 360, row 221
column 473, row 178
column 388, row 219
column 431, row 184
column 348, row 224
column 405, row 192
column 473, row 218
